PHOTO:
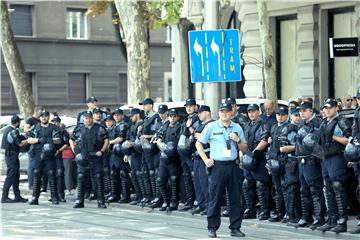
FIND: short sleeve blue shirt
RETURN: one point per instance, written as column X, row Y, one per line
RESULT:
column 217, row 135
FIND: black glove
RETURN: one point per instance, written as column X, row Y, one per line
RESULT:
column 258, row 155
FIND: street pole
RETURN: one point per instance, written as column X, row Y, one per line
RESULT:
column 212, row 91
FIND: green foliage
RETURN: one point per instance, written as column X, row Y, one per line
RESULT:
column 156, row 13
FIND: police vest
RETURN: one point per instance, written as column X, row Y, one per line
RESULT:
column 133, row 133
column 285, row 133
column 200, row 129
column 313, row 125
column 331, row 147
column 276, row 132
column 92, row 139
column 250, row 130
column 45, row 133
column 64, row 138
column 11, row 139
column 171, row 134
column 122, row 129
column 356, row 131
column 150, row 124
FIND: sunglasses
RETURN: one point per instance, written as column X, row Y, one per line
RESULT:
column 348, row 100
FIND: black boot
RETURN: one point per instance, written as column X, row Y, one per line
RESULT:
column 264, row 195
column 152, row 179
column 319, row 207
column 125, row 186
column 147, row 188
column 249, row 188
column 36, row 187
column 60, row 182
column 79, row 203
column 136, row 185
column 279, row 209
column 139, row 177
column 189, row 192
column 92, row 195
column 332, row 209
column 291, row 199
column 5, row 197
column 157, row 201
column 107, row 184
column 100, row 190
column 341, row 202
column 163, row 187
column 53, row 190
column 44, row 183
column 115, row 193
column 306, row 205
column 174, row 193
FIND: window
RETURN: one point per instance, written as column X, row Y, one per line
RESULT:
column 167, row 34
column 77, row 85
column 21, row 20
column 122, row 96
column 76, row 24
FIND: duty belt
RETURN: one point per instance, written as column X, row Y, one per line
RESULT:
column 219, row 162
column 308, row 159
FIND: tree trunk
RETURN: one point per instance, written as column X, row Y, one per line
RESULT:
column 267, row 51
column 117, row 28
column 15, row 66
column 138, row 75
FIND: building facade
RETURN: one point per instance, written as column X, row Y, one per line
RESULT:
column 69, row 56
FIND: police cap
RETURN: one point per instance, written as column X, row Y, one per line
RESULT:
column 230, row 100
column 190, row 102
column 225, row 107
column 118, row 111
column 330, row 103
column 204, row 108
column 282, row 110
column 56, row 118
column 44, row 113
column 134, row 111
column 163, row 108
column 15, row 119
column 173, row 112
column 253, row 106
column 147, row 101
column 91, row 99
column 306, row 105
column 88, row 114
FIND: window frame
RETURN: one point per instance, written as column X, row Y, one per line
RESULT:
column 32, row 15
column 69, row 24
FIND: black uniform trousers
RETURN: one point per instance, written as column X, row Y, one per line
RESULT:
column 13, row 173
column 225, row 175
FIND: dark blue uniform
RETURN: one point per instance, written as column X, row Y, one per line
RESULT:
column 169, row 167
column 60, row 174
column 310, row 179
column 187, row 163
column 12, row 162
column 90, row 140
column 334, row 172
column 258, row 178
column 32, row 121
column 43, row 155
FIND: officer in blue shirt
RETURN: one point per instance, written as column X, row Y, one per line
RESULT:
column 226, row 139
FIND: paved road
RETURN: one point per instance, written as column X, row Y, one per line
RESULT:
column 47, row 221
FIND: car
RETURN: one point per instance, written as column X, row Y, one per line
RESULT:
column 259, row 101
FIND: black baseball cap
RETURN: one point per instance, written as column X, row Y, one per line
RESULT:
column 225, row 107
column 173, row 112
column 294, row 111
column 109, row 117
column 190, row 102
column 134, row 111
column 97, row 110
column 204, row 108
column 118, row 111
column 163, row 108
column 242, row 109
column 282, row 110
column 45, row 113
column 305, row 105
column 330, row 103
column 147, row 101
column 91, row 99
column 230, row 100
column 56, row 118
column 88, row 114
column 15, row 119
column 253, row 106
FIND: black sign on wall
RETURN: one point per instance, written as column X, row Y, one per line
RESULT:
column 344, row 47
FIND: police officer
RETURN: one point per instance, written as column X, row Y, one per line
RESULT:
column 98, row 116
column 291, row 177
column 132, row 152
column 276, row 161
column 91, row 103
column 169, row 168
column 161, row 126
column 149, row 149
column 31, row 121
column 226, row 138
column 43, row 137
column 11, row 142
column 64, row 143
column 335, row 132
column 355, row 163
column 200, row 177
column 92, row 139
column 311, row 181
column 117, row 161
column 111, row 189
column 256, row 175
column 186, row 147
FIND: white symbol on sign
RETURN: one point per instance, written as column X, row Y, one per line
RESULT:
column 198, row 50
column 215, row 49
